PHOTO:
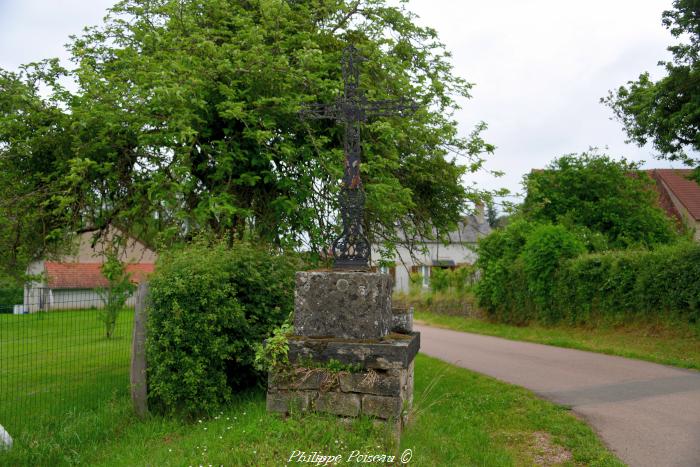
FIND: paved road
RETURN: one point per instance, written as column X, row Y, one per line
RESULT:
column 648, row 414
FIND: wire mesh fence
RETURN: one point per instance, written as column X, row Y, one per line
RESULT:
column 56, row 357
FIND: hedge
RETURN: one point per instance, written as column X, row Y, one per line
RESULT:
column 10, row 296
column 622, row 285
column 613, row 286
column 210, row 307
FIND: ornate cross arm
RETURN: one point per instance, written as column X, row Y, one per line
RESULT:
column 360, row 109
column 321, row 111
column 390, row 108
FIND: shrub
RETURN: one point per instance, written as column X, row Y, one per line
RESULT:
column 210, row 307
column 439, row 279
column 10, row 296
column 547, row 283
column 545, row 248
column 610, row 197
column 463, row 278
column 497, row 254
column 117, row 292
column 415, row 282
column 619, row 286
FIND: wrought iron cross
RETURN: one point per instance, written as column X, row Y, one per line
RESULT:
column 351, row 250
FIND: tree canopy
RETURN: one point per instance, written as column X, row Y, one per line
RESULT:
column 184, row 118
column 667, row 112
column 604, row 196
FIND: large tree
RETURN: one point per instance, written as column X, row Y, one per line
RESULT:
column 185, row 119
column 35, row 147
column 604, row 196
column 667, row 112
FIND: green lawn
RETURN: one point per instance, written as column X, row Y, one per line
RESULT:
column 64, row 398
column 671, row 346
column 460, row 418
column 59, row 362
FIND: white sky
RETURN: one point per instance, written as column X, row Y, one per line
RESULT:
column 540, row 66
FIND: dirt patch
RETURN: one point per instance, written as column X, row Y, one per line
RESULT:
column 545, row 453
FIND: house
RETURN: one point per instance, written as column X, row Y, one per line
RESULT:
column 679, row 196
column 74, row 280
column 431, row 254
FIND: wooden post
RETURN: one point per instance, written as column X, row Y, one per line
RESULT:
column 138, row 353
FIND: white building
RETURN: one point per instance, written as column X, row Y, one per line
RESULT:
column 431, row 254
column 73, row 280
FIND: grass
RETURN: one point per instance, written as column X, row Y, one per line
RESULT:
column 57, row 363
column 660, row 344
column 64, row 398
column 460, row 418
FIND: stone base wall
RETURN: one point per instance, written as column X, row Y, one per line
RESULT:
column 344, row 320
column 383, row 394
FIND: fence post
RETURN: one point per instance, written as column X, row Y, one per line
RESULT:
column 138, row 353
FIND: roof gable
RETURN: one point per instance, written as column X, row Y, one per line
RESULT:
column 686, row 191
column 92, row 247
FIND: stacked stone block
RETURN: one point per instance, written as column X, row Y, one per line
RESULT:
column 346, row 317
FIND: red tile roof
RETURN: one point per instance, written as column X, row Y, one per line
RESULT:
column 687, row 191
column 88, row 275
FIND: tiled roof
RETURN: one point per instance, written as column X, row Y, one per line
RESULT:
column 687, row 191
column 88, row 275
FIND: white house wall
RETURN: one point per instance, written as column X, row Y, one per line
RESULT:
column 33, row 299
column 45, row 299
column 456, row 253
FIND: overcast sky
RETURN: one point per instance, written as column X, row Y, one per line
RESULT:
column 540, row 66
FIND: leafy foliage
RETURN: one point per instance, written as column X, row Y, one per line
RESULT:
column 117, row 292
column 667, row 112
column 624, row 285
column 10, row 296
column 518, row 265
column 544, row 250
column 459, row 279
column 597, row 194
column 35, row 147
column 541, row 273
column 497, row 253
column 185, row 119
column 273, row 353
column 439, row 279
column 538, row 267
column 211, row 307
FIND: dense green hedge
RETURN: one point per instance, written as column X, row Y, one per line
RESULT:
column 209, row 309
column 536, row 272
column 623, row 285
column 9, row 297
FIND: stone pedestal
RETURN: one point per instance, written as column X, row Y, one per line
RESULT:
column 351, row 354
column 346, row 305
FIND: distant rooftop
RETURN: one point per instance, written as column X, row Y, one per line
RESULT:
column 88, row 275
column 686, row 191
column 470, row 229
